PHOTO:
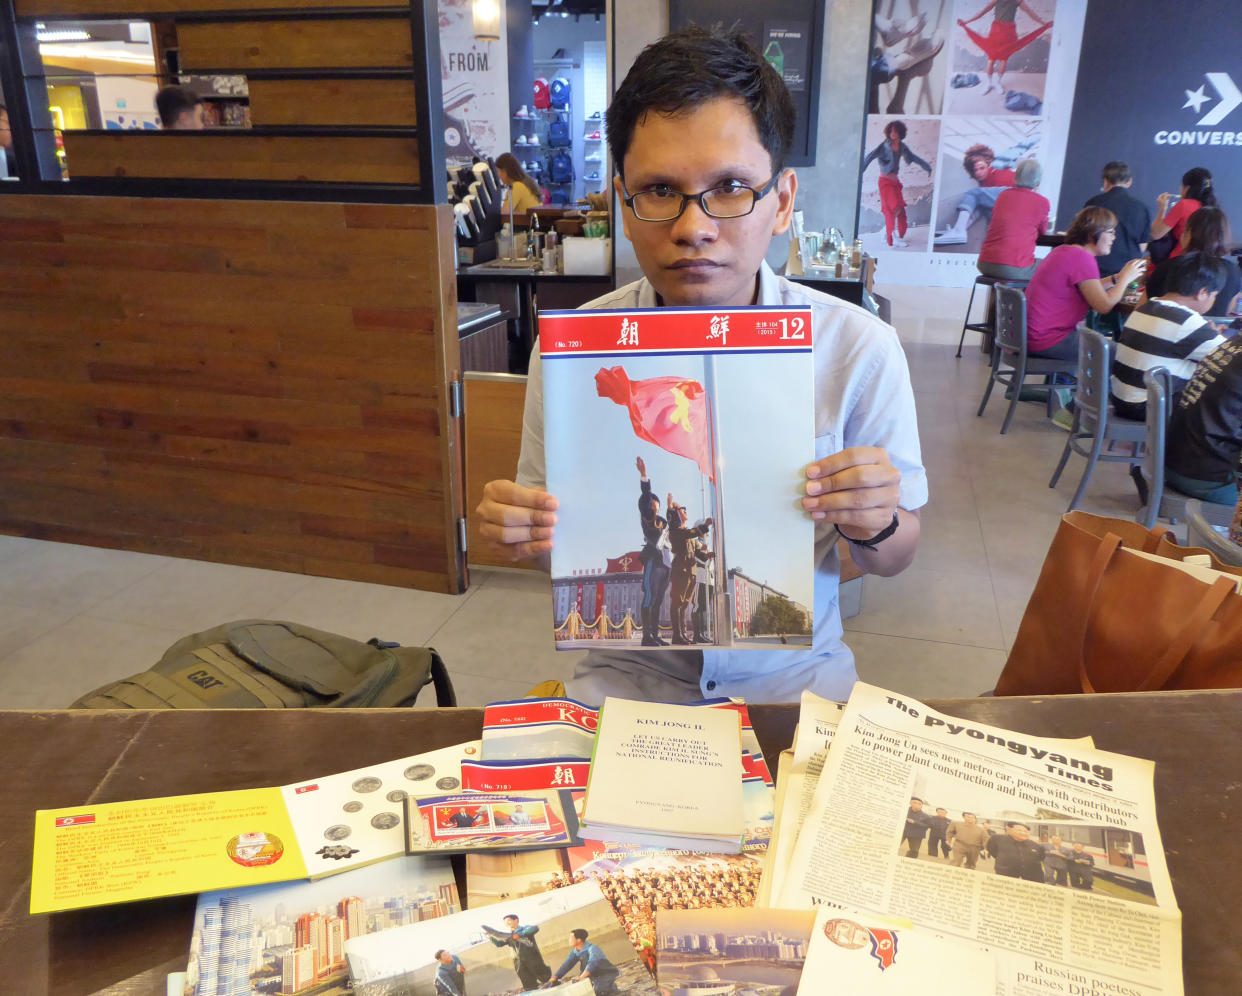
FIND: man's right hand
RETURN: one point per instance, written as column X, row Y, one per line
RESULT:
column 516, row 522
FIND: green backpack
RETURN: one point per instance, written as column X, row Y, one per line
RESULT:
column 262, row 663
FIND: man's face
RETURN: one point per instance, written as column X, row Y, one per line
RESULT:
column 942, row 812
column 446, row 958
column 1019, row 833
column 577, row 942
column 915, row 805
column 980, row 169
column 191, row 120
column 1078, row 849
column 970, row 818
column 696, row 260
column 511, row 922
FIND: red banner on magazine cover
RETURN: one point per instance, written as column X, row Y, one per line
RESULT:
column 661, row 330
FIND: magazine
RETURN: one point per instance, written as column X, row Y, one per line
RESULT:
column 675, row 440
column 522, row 946
column 291, row 936
column 1052, row 834
column 101, row 853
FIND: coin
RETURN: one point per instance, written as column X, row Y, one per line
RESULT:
column 417, row 772
column 352, row 807
column 447, row 783
column 338, row 832
column 368, row 784
column 385, row 821
column 396, row 795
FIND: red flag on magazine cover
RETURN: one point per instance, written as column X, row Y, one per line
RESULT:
column 670, row 412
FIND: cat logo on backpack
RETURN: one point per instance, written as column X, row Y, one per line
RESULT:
column 204, row 679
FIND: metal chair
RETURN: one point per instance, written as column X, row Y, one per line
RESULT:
column 1010, row 350
column 1201, row 516
column 1162, row 501
column 985, row 326
column 1094, row 422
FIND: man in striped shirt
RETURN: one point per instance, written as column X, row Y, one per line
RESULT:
column 1168, row 331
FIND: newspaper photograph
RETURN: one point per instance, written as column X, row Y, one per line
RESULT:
column 966, row 828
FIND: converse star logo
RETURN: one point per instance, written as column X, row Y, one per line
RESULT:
column 1196, row 99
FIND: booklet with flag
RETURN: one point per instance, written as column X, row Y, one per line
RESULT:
column 675, row 441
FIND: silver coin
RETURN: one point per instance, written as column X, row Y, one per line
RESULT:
column 447, row 783
column 396, row 795
column 385, row 821
column 338, row 832
column 419, row 772
column 352, row 807
column 368, row 784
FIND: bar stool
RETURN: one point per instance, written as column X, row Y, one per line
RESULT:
column 985, row 326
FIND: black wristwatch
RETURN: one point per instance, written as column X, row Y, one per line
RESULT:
column 880, row 537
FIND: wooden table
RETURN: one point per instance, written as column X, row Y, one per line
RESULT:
column 55, row 759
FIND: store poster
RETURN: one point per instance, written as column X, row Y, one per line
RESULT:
column 785, row 49
column 475, row 80
column 956, row 97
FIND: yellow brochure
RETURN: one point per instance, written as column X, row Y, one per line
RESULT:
column 96, row 854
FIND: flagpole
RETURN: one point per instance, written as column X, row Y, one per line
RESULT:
column 722, row 603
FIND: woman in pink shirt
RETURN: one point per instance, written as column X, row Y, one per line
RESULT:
column 1067, row 283
column 1196, row 192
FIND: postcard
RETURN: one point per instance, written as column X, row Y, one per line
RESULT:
column 491, row 821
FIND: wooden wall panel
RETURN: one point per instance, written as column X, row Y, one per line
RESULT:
column 269, row 390
column 348, row 44
column 137, row 9
column 333, row 102
column 241, row 156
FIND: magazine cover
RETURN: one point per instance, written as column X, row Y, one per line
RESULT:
column 524, row 945
column 733, row 950
column 290, row 937
column 676, row 441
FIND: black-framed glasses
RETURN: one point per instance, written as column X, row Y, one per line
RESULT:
column 729, row 200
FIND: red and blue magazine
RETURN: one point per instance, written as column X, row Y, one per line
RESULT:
column 676, row 441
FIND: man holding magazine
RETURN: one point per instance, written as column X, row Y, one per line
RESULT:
column 699, row 130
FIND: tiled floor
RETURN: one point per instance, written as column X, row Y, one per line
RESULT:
column 73, row 618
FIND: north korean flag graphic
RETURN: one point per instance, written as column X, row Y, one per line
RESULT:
column 305, row 788
column 883, row 946
column 75, row 821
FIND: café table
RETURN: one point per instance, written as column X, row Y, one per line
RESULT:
column 69, row 758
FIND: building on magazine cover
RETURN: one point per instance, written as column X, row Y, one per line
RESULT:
column 616, row 589
column 749, row 595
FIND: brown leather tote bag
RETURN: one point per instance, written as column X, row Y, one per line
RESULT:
column 1102, row 619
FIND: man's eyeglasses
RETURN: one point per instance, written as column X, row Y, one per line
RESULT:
column 729, row 200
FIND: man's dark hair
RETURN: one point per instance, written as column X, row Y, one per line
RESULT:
column 1015, row 823
column 436, row 956
column 1208, row 231
column 1196, row 271
column 512, row 916
column 964, row 815
column 1116, row 172
column 896, row 126
column 1088, row 225
column 173, row 101
column 691, row 66
column 579, row 934
column 976, row 154
column 915, row 798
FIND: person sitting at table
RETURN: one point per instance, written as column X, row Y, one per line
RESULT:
column 1206, row 233
column 1168, row 331
column 523, row 190
column 1196, row 192
column 1067, row 283
column 1019, row 218
column 1133, row 217
column 1205, row 433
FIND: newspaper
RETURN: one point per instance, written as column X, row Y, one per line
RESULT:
column 1076, row 858
column 798, row 775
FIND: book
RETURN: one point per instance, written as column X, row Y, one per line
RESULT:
column 101, row 853
column 666, row 775
column 289, row 936
column 490, row 821
column 675, row 441
column 514, row 948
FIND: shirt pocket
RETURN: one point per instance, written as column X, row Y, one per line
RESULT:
column 826, row 445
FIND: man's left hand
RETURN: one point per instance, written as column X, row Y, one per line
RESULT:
column 856, row 489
